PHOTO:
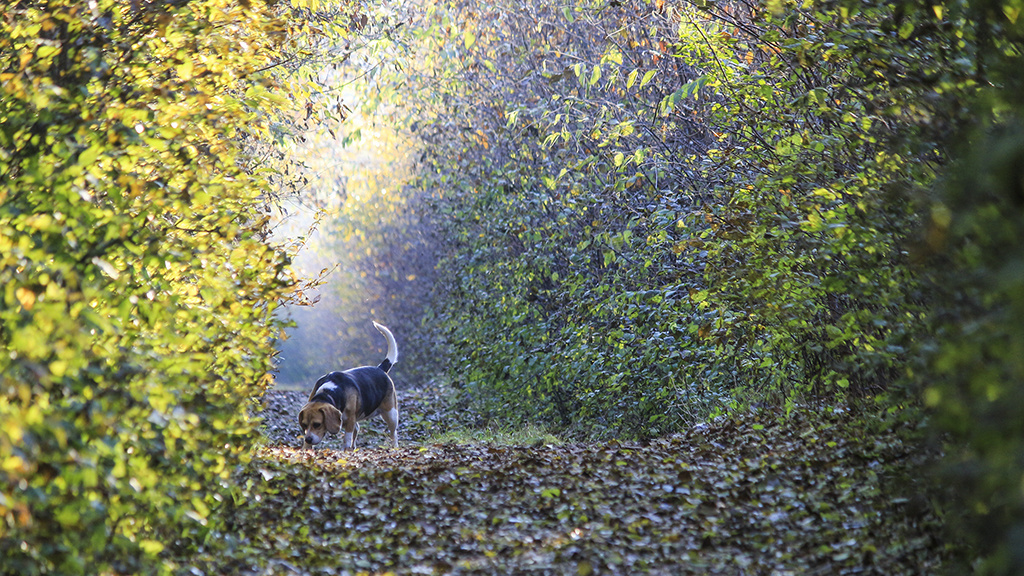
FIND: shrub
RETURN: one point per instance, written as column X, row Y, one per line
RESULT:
column 138, row 285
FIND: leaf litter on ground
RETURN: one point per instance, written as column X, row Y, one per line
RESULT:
column 744, row 494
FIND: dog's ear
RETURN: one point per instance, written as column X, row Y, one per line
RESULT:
column 301, row 414
column 332, row 419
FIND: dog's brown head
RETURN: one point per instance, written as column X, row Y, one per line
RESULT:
column 316, row 419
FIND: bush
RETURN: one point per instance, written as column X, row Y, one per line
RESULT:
column 654, row 205
column 138, row 286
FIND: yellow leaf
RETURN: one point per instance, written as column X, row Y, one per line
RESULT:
column 151, row 546
column 58, row 368
column 631, row 79
column 1012, row 13
column 13, row 430
column 26, row 297
column 14, row 464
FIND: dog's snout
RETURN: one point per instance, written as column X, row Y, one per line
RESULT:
column 310, row 440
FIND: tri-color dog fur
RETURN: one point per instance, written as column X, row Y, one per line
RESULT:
column 343, row 399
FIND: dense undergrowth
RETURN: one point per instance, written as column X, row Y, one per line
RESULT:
column 667, row 204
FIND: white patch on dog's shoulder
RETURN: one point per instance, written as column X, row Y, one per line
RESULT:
column 329, row 386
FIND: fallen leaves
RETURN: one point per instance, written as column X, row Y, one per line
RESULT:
column 741, row 495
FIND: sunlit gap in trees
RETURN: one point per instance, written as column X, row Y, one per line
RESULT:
column 333, row 223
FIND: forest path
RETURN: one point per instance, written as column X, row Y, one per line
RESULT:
column 739, row 496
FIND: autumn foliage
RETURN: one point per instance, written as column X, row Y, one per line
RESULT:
column 138, row 286
column 620, row 219
column 650, row 212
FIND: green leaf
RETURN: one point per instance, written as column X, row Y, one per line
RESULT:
column 648, row 76
column 631, row 79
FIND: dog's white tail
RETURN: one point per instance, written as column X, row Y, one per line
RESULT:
column 392, row 357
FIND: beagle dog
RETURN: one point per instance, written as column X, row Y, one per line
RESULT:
column 342, row 399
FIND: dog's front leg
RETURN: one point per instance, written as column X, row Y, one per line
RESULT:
column 351, row 429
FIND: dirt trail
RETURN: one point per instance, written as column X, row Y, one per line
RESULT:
column 736, row 497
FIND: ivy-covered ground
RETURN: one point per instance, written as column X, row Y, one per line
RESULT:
column 741, row 495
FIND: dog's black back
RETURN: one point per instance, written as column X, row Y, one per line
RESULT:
column 363, row 379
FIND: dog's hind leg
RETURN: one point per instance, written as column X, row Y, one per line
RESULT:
column 391, row 419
